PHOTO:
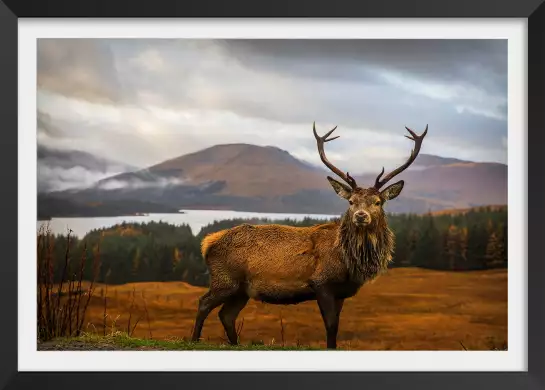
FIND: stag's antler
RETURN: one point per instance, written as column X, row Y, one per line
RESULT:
column 320, row 141
column 417, row 144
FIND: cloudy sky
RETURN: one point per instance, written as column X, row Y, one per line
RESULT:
column 144, row 101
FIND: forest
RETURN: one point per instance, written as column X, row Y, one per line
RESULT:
column 157, row 251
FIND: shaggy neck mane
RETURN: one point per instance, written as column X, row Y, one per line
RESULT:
column 366, row 252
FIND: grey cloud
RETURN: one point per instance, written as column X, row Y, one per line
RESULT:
column 45, row 124
column 476, row 62
column 256, row 86
column 364, row 85
column 264, row 78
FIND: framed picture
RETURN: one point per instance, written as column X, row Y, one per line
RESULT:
column 321, row 194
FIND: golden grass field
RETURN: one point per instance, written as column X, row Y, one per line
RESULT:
column 405, row 309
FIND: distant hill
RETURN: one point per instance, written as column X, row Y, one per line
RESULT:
column 454, row 186
column 268, row 179
column 429, row 160
column 243, row 169
column 59, row 168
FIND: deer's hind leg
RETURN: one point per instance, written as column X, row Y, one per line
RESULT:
column 229, row 313
column 208, row 302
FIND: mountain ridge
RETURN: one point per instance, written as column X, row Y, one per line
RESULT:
column 248, row 177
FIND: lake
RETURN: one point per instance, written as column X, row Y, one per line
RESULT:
column 196, row 219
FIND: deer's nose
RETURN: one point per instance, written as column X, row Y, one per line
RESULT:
column 362, row 216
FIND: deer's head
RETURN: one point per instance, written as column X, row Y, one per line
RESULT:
column 365, row 205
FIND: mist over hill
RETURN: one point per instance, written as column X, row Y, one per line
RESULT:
column 60, row 169
column 246, row 177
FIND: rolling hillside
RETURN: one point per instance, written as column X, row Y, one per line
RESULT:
column 268, row 179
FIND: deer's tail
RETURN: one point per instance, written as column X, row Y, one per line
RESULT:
column 209, row 241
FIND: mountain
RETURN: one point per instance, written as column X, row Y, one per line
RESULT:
column 269, row 179
column 62, row 169
column 247, row 170
column 453, row 185
column 429, row 160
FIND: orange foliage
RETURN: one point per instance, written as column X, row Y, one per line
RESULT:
column 122, row 231
column 405, row 309
column 464, row 211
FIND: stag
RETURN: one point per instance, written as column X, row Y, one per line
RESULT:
column 285, row 265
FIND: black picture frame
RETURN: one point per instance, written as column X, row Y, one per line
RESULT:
column 533, row 10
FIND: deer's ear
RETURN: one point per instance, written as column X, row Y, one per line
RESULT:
column 341, row 189
column 392, row 191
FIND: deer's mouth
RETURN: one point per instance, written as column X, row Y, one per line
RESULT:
column 362, row 223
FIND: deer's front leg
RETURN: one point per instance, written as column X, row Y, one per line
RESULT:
column 330, row 310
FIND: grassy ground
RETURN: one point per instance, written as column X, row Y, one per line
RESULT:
column 405, row 309
column 121, row 341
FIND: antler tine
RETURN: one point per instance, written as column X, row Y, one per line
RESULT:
column 320, row 141
column 414, row 153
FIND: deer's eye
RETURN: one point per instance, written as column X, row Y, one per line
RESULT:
column 377, row 203
column 350, row 202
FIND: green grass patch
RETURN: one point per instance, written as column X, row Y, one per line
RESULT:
column 121, row 341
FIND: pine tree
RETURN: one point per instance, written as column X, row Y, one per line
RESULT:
column 477, row 239
column 401, row 255
column 453, row 247
column 176, row 258
column 428, row 246
column 494, row 251
column 463, row 245
column 136, row 264
column 412, row 245
column 502, row 239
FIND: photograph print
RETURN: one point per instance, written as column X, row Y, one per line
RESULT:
column 272, row 194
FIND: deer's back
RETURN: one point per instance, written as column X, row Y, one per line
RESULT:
column 268, row 252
